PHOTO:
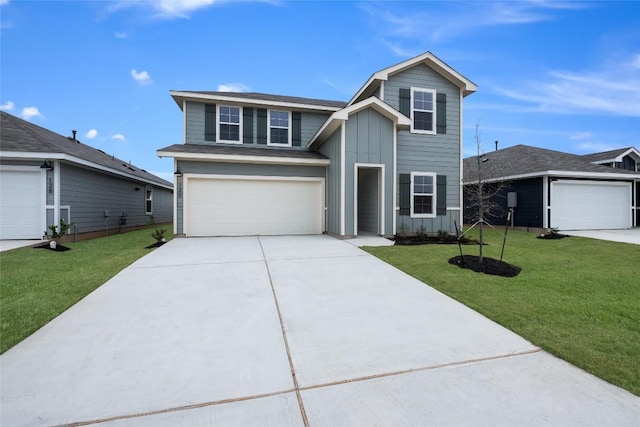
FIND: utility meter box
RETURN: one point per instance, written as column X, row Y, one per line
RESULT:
column 512, row 199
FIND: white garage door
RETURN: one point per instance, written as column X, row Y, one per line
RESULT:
column 590, row 205
column 236, row 207
column 20, row 204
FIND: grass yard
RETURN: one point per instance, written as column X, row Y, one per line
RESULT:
column 38, row 284
column 577, row 298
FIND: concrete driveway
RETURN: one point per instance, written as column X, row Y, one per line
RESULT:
column 288, row 331
column 631, row 235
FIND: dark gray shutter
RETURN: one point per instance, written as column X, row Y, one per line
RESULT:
column 441, row 202
column 296, row 128
column 405, row 194
column 262, row 126
column 405, row 101
column 210, row 122
column 247, row 125
column 441, row 112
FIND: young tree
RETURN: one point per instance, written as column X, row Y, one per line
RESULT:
column 482, row 196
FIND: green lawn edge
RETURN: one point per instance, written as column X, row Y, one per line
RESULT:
column 37, row 285
column 577, row 298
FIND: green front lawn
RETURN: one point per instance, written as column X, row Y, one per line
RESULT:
column 577, row 298
column 39, row 284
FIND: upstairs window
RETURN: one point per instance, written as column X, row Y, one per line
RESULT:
column 423, row 110
column 279, row 128
column 229, row 124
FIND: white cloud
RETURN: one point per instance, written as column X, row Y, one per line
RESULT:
column 3, row 2
column 118, row 136
column 580, row 136
column 233, row 87
column 595, row 147
column 92, row 133
column 120, row 35
column 166, row 9
column 30, row 112
column 141, row 77
column 469, row 17
column 7, row 106
column 612, row 88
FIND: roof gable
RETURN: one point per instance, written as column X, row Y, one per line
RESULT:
column 333, row 122
column 428, row 59
column 612, row 155
column 22, row 139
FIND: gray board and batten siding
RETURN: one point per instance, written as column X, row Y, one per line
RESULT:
column 90, row 194
column 201, row 130
column 368, row 140
column 188, row 167
column 439, row 153
column 332, row 150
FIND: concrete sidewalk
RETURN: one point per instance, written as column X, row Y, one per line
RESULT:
column 288, row 331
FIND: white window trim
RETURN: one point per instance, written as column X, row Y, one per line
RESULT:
column 434, row 195
column 269, row 143
column 148, row 199
column 218, row 123
column 434, row 121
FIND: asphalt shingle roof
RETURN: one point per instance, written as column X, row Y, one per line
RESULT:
column 270, row 97
column 605, row 155
column 523, row 159
column 19, row 135
column 242, row 151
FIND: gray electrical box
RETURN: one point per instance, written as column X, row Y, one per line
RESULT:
column 512, row 199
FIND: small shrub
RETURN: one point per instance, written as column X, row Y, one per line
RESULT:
column 443, row 235
column 158, row 234
column 54, row 233
column 422, row 233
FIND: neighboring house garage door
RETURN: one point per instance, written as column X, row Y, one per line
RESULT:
column 20, row 204
column 253, row 206
column 590, row 205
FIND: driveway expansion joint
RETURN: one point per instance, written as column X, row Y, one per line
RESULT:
column 303, row 413
column 423, row 368
column 173, row 409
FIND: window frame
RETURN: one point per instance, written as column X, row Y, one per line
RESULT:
column 432, row 111
column 219, row 122
column 148, row 200
column 434, row 195
column 289, row 129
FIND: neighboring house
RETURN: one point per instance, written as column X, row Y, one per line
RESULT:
column 561, row 190
column 45, row 177
column 388, row 160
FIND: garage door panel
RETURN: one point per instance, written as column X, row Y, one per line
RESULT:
column 20, row 205
column 224, row 207
column 585, row 205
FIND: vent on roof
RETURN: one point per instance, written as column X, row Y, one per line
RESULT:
column 74, row 132
column 101, row 151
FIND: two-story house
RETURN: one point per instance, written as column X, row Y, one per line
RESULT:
column 387, row 161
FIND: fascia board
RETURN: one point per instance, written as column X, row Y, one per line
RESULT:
column 233, row 158
column 199, row 97
column 560, row 174
column 73, row 159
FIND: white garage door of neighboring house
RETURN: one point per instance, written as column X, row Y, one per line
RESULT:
column 590, row 205
column 20, row 204
column 262, row 206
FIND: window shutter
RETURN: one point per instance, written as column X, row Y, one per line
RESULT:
column 296, row 129
column 247, row 125
column 441, row 202
column 405, row 194
column 441, row 112
column 262, row 126
column 210, row 122
column 405, row 102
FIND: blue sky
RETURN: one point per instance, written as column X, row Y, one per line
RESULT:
column 552, row 74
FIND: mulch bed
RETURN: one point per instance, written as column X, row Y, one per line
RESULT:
column 552, row 236
column 59, row 247
column 429, row 240
column 155, row 245
column 489, row 266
